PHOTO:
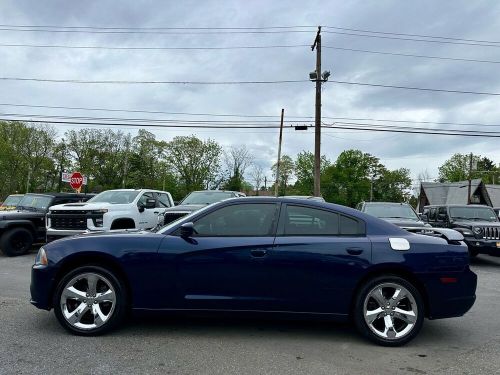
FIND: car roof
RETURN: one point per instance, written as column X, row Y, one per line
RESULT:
column 387, row 203
column 61, row 195
column 456, row 205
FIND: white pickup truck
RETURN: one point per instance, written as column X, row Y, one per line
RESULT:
column 111, row 209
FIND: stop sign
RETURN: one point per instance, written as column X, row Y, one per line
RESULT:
column 76, row 180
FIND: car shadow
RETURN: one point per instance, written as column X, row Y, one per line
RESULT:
column 236, row 326
column 485, row 260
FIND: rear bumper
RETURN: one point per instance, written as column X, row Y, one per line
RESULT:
column 448, row 300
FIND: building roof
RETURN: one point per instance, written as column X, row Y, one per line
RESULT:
column 449, row 193
column 494, row 193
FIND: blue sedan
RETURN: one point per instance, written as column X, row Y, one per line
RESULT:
column 254, row 255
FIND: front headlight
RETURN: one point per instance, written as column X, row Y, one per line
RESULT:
column 102, row 211
column 465, row 232
column 41, row 258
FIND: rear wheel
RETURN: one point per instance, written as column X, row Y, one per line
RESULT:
column 89, row 300
column 16, row 241
column 389, row 311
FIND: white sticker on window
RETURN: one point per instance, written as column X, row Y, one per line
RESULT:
column 399, row 244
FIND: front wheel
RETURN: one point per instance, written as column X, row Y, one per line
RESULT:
column 389, row 311
column 89, row 300
column 16, row 241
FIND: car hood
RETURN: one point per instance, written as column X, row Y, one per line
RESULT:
column 405, row 223
column 186, row 208
column 472, row 223
column 89, row 206
column 20, row 214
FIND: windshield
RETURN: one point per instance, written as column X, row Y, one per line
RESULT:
column 115, row 197
column 473, row 213
column 206, row 197
column 12, row 200
column 392, row 211
column 32, row 201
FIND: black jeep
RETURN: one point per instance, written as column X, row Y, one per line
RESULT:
column 21, row 228
column 479, row 225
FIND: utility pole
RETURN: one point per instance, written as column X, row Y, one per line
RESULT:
column 371, row 189
column 317, row 121
column 470, row 179
column 276, row 185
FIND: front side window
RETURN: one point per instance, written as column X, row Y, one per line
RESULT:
column 432, row 215
column 306, row 221
column 252, row 219
column 144, row 197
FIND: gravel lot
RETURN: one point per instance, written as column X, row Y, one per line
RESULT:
column 34, row 343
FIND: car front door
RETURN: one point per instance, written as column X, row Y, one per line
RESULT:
column 223, row 265
column 149, row 216
column 318, row 258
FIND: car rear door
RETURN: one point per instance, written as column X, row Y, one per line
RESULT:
column 318, row 258
column 223, row 266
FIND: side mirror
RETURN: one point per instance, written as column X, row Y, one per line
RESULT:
column 424, row 218
column 176, row 203
column 187, row 230
column 140, row 206
column 150, row 203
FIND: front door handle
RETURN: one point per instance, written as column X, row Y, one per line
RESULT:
column 258, row 253
column 354, row 250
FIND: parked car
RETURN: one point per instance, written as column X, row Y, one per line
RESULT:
column 479, row 225
column 109, row 210
column 11, row 202
column 196, row 200
column 20, row 228
column 260, row 255
column 401, row 214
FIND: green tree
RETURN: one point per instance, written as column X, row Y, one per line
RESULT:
column 237, row 160
column 304, row 171
column 196, row 162
column 456, row 168
column 392, row 186
column 348, row 181
column 286, row 172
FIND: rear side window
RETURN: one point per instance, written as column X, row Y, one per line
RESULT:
column 163, row 200
column 306, row 221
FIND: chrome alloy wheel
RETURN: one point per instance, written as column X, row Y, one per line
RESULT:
column 88, row 301
column 390, row 311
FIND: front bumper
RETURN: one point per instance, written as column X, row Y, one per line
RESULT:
column 490, row 247
column 42, row 287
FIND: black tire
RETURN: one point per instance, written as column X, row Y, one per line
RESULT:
column 16, row 241
column 116, row 313
column 359, row 313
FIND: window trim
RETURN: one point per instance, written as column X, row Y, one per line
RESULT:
column 281, row 224
column 277, row 207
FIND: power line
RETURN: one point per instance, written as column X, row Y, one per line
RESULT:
column 413, row 55
column 153, row 48
column 416, row 88
column 145, row 111
column 364, row 127
column 162, row 28
column 412, row 131
column 413, row 39
column 151, row 82
column 411, row 35
column 101, row 109
column 244, row 83
column 159, row 32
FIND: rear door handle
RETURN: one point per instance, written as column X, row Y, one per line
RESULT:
column 258, row 253
column 354, row 250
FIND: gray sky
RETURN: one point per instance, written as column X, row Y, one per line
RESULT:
column 479, row 20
